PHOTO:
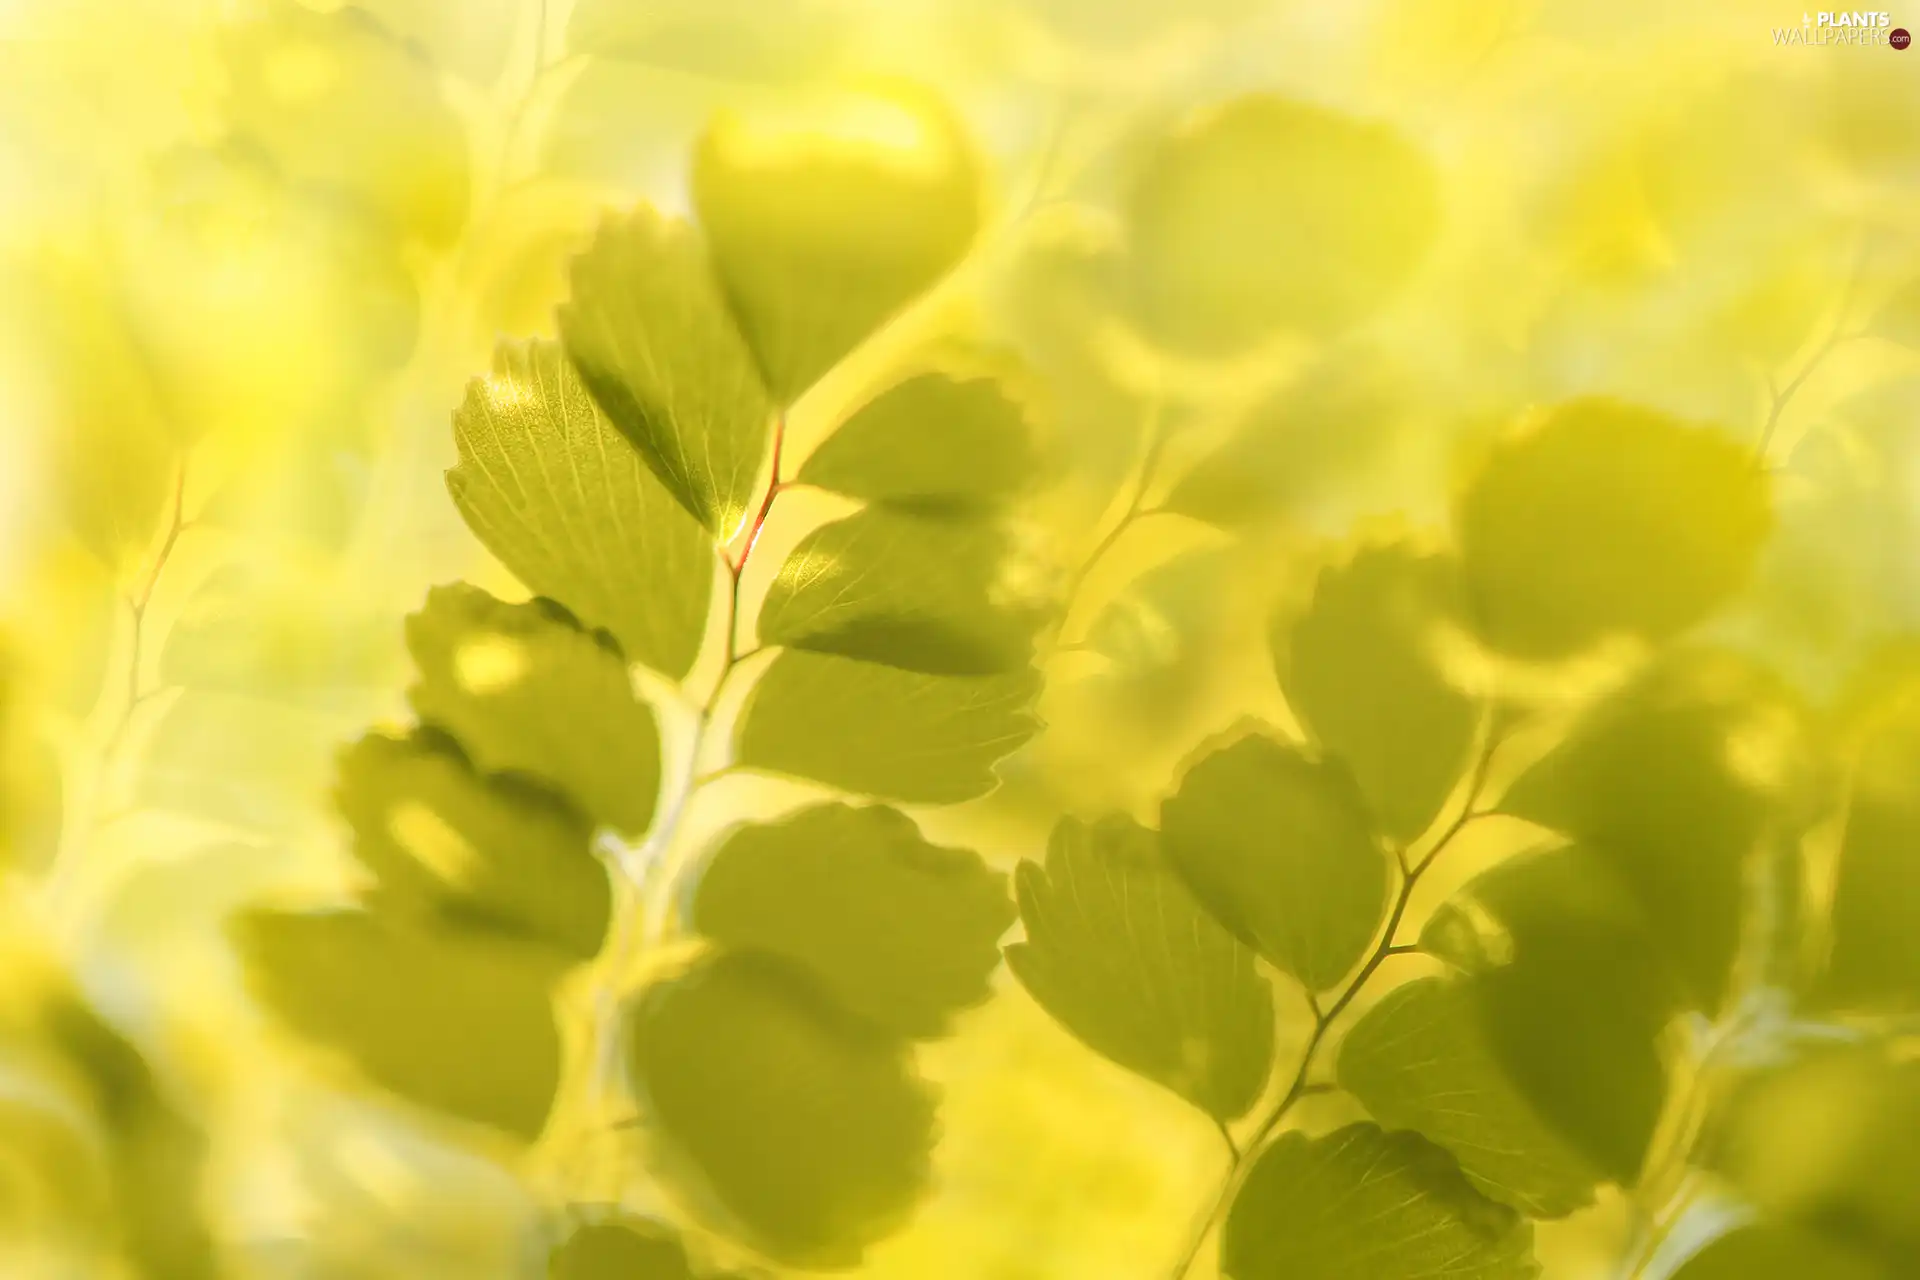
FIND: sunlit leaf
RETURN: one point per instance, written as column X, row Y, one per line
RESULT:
column 1874, row 963
column 524, row 690
column 1117, row 950
column 1361, row 667
column 1571, row 996
column 1603, row 517
column 470, row 39
column 931, row 443
column 897, row 929
column 1419, row 1061
column 803, row 1126
column 1677, row 781
column 444, row 842
column 1770, row 1252
column 650, row 333
column 1267, row 214
column 1359, row 1202
column 878, row 730
column 242, row 761
column 456, row 1022
column 1280, row 847
column 622, row 1249
column 827, row 216
column 1165, row 616
column 933, row 593
column 565, row 502
column 336, row 100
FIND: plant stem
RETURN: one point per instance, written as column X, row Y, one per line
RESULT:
column 1246, row 1155
column 1153, row 449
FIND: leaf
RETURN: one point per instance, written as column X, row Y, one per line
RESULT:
column 652, row 339
column 1265, row 214
column 472, row 40
column 1677, row 782
column 302, row 84
column 240, row 761
column 1164, row 617
column 524, row 690
column 1571, row 997
column 933, row 442
column 623, row 1249
column 828, row 216
column 553, row 490
column 881, row 731
column 444, row 842
column 1899, row 317
column 1768, row 1252
column 1362, row 669
column 733, row 40
column 898, row 930
column 804, row 1126
column 455, row 1022
column 1279, row 847
column 1605, row 517
column 928, row 593
column 1120, row 954
column 1359, row 1202
column 1418, row 1060
column 1872, row 964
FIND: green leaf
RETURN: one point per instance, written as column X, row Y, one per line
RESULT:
column 1766, row 1251
column 801, row 1125
column 1119, row 953
column 1158, row 625
column 932, row 593
column 1359, row 1202
column 1266, row 214
column 1571, row 995
column 881, row 731
column 625, row 1249
column 1362, row 669
column 1280, row 847
column 1873, row 964
column 444, row 842
column 899, row 930
column 1419, row 1060
column 650, row 333
column 547, row 483
column 1603, row 517
column 1679, row 781
column 300, row 82
column 828, row 216
column 455, row 1022
column 931, row 442
column 525, row 690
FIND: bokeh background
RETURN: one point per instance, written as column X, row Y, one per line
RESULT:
column 250, row 254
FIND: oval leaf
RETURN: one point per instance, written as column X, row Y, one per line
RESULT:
column 1119, row 953
column 933, row 442
column 1873, row 964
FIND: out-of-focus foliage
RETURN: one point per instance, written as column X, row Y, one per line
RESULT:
column 1367, row 549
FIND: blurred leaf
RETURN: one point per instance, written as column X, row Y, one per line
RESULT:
column 1164, row 616
column 53, row 1164
column 1120, row 954
column 626, row 1249
column 881, row 731
column 564, row 501
column 524, row 690
column 1359, row 1202
column 591, row 140
column 337, row 101
column 653, row 341
column 829, row 216
column 1676, row 782
column 932, row 442
column 1280, row 848
column 1605, row 517
column 932, row 593
column 240, row 761
column 456, row 1022
column 738, row 40
column 470, row 39
column 898, row 930
column 805, row 1127
column 1873, row 963
column 1571, row 997
column 1418, row 1060
column 1266, row 214
column 444, row 842
column 1768, row 1252
column 1899, row 317
column 1297, row 445
column 1361, row 667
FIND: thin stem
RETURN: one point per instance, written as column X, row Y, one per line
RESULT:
column 1324, row 1017
column 1782, row 396
column 1153, row 449
column 137, row 605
